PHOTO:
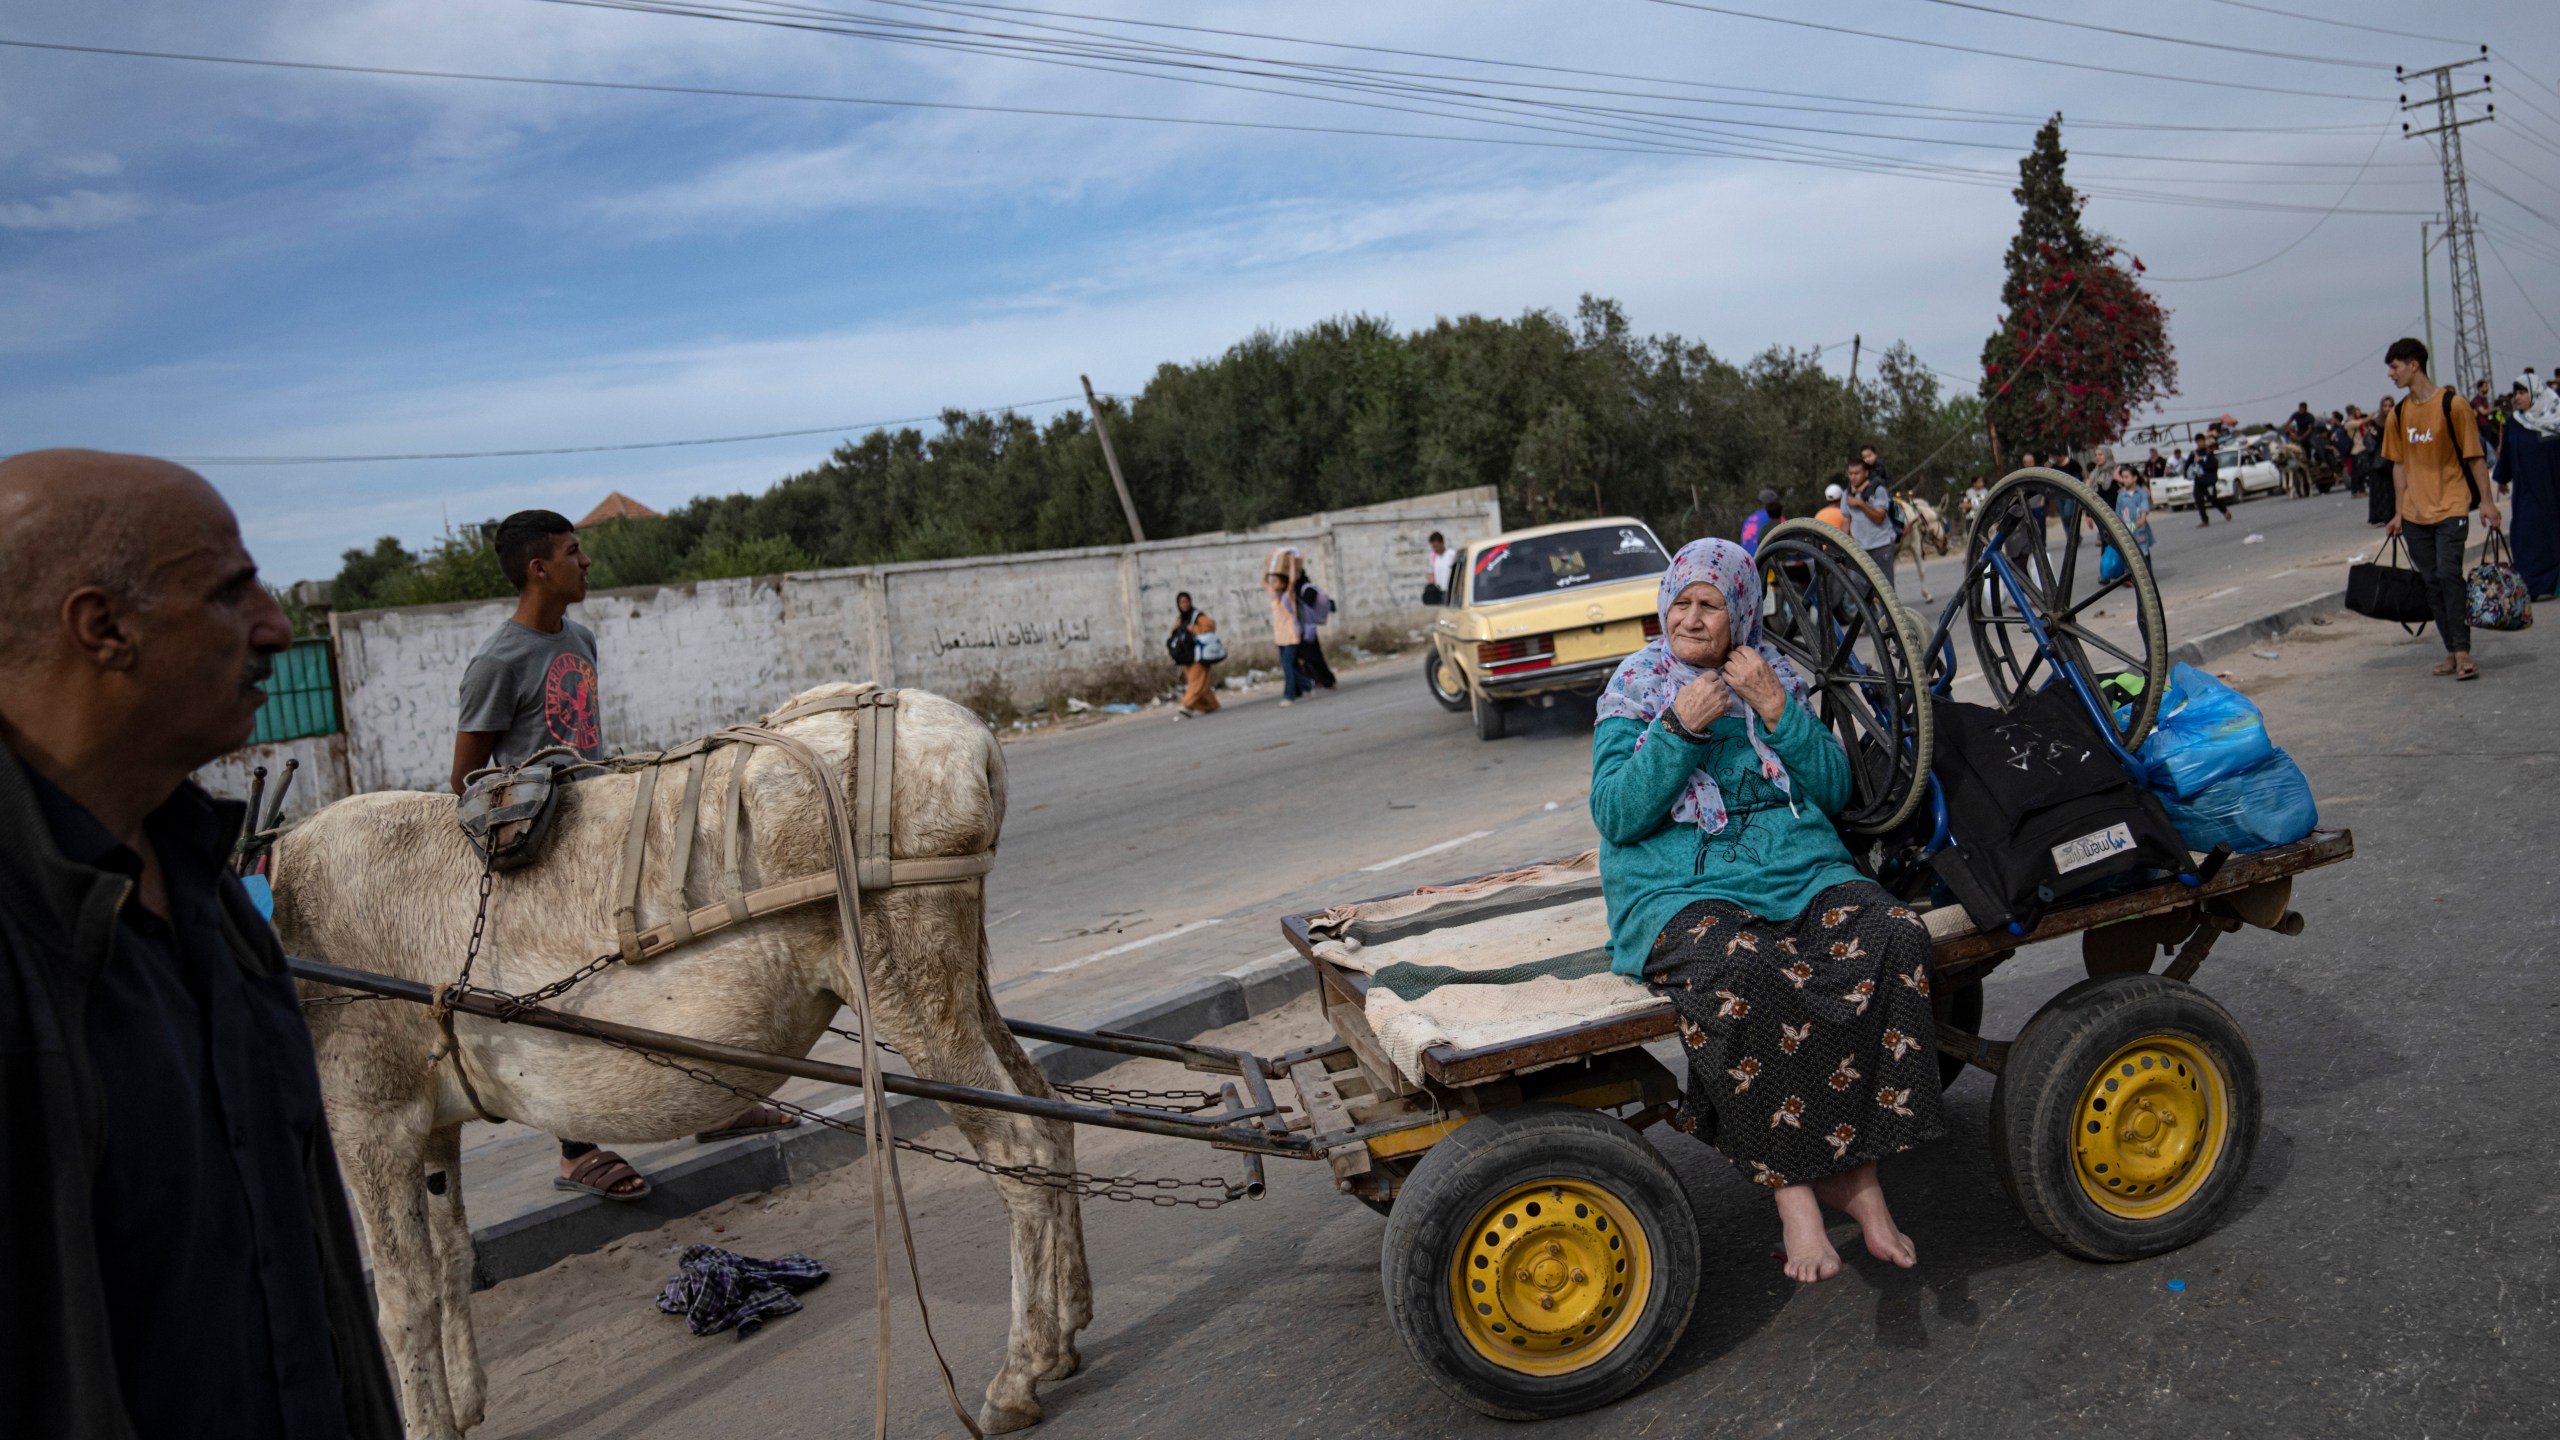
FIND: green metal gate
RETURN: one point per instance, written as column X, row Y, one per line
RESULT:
column 302, row 695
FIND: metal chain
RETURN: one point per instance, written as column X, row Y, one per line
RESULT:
column 1127, row 1188
column 1191, row 1101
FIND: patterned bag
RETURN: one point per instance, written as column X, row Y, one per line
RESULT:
column 2494, row 594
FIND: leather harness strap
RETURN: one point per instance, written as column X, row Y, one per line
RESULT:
column 874, row 763
column 682, row 865
column 635, row 846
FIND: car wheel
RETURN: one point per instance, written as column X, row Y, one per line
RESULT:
column 1445, row 685
column 1490, row 719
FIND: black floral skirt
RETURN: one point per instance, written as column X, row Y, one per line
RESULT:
column 1811, row 1044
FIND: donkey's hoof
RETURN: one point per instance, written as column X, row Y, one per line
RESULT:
column 1067, row 1363
column 997, row 1420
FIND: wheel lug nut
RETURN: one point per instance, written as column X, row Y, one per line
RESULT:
column 1579, row 1277
column 1546, row 1302
column 1555, row 1249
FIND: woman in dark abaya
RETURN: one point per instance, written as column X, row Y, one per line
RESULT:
column 2529, row 462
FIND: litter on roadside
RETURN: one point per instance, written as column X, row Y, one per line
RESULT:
column 2266, row 654
column 716, row 1289
column 2253, row 540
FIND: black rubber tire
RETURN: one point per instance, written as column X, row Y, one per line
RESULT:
column 1434, row 670
column 1476, row 1165
column 2035, row 1107
column 1491, row 722
column 1896, row 638
column 1964, row 1011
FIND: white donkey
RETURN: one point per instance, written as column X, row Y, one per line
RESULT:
column 386, row 882
column 1924, row 532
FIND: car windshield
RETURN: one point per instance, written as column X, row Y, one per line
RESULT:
column 1569, row 560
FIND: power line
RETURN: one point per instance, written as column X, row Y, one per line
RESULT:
column 2000, row 54
column 2163, row 39
column 2341, row 24
column 2297, row 240
column 2295, row 390
column 1954, row 114
column 864, row 427
column 2547, row 87
column 1660, row 137
column 2527, row 294
column 1584, row 140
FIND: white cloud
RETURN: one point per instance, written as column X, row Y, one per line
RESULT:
column 73, row 210
column 86, row 164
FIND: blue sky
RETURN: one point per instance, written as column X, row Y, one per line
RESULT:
column 214, row 260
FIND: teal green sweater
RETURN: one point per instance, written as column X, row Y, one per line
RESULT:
column 1768, row 859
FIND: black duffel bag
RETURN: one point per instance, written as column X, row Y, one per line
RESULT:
column 2038, row 808
column 2389, row 589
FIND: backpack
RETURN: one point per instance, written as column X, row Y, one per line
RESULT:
column 2444, row 393
column 2038, row 808
column 1314, row 606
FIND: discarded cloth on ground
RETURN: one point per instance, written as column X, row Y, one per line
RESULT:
column 716, row 1289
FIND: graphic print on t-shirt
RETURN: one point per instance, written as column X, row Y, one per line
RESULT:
column 569, row 701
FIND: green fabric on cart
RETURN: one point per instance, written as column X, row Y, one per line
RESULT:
column 1412, row 982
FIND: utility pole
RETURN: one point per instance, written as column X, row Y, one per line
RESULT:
column 1854, row 342
column 2470, row 314
column 1128, row 507
column 2427, row 281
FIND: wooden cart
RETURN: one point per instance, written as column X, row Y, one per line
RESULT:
column 1541, row 1258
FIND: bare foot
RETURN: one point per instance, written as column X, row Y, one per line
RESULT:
column 1858, row 1194
column 1810, row 1257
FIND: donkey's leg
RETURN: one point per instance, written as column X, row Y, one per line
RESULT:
column 382, row 1149
column 1070, row 1296
column 449, row 1229
column 959, row 1042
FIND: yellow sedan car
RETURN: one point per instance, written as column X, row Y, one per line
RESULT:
column 1534, row 612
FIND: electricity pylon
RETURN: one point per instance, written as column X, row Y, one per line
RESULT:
column 2470, row 315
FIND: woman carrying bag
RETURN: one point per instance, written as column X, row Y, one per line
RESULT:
column 1195, row 645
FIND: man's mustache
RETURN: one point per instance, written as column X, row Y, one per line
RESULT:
column 255, row 673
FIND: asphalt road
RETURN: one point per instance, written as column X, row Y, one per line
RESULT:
column 2389, row 1273
column 1138, row 852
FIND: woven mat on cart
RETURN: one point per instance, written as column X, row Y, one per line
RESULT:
column 1491, row 961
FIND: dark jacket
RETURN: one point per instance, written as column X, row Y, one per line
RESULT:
column 57, row 1367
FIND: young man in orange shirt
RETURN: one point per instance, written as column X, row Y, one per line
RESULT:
column 2432, row 440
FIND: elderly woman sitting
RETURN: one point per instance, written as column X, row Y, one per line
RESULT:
column 1802, row 986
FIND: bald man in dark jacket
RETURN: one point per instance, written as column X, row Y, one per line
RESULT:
column 180, row 1260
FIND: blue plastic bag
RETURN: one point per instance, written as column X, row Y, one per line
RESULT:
column 2262, row 807
column 2110, row 564
column 2207, row 732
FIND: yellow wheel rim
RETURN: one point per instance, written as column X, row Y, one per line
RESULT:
column 1550, row 1278
column 2152, row 1125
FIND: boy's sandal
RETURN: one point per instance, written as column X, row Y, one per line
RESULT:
column 2469, row 671
column 2446, row 667
column 601, row 1173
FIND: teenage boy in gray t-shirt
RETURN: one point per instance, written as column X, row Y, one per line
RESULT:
column 532, row 687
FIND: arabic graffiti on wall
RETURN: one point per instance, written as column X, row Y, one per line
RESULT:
column 1059, row 633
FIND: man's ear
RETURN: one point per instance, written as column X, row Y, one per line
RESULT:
column 98, row 628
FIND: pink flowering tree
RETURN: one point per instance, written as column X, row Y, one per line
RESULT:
column 2081, row 344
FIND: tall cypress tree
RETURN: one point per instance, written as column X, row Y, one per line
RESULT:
column 2081, row 344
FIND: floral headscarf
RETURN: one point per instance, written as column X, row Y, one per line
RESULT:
column 1645, row 683
column 2542, row 416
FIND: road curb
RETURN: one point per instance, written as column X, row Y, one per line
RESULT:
column 2213, row 644
column 577, row 1224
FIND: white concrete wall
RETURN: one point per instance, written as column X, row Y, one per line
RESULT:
column 681, row 660
column 320, row 777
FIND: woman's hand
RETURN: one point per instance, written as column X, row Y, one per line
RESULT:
column 1702, row 702
column 1750, row 676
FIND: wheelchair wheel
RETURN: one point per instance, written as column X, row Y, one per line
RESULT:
column 1827, row 608
column 2036, row 518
